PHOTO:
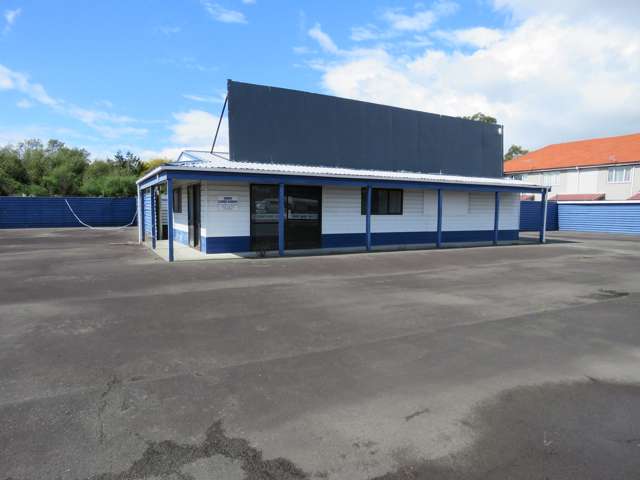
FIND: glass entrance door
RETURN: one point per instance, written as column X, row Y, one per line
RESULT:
column 302, row 217
column 264, row 217
column 303, row 225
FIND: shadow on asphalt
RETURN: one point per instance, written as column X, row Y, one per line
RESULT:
column 549, row 431
column 554, row 431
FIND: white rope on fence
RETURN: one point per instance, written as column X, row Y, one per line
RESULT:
column 103, row 228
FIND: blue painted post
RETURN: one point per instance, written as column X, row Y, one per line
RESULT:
column 496, row 219
column 153, row 217
column 439, row 220
column 170, row 215
column 543, row 217
column 140, row 215
column 368, row 219
column 281, row 207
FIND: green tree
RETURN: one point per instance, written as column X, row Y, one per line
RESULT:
column 128, row 161
column 32, row 168
column 154, row 163
column 514, row 152
column 481, row 117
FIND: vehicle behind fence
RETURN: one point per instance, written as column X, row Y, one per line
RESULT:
column 51, row 212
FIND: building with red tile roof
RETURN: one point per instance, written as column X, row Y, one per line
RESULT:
column 604, row 168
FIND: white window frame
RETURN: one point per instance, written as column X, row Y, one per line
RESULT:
column 625, row 174
column 550, row 179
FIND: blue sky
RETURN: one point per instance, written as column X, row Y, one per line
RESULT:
column 150, row 75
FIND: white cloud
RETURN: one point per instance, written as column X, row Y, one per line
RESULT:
column 224, row 15
column 192, row 130
column 421, row 19
column 549, row 77
column 479, row 37
column 107, row 124
column 324, row 40
column 10, row 17
column 623, row 10
column 366, row 32
column 24, row 103
column 11, row 80
column 204, row 98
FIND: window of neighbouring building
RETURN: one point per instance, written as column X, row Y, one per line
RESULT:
column 620, row 174
column 384, row 201
column 550, row 178
column 517, row 176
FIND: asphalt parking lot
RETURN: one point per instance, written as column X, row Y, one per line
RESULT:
column 492, row 362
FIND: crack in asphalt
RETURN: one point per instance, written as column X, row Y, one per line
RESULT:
column 168, row 457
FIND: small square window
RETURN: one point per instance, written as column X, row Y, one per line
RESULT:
column 384, row 201
column 177, row 200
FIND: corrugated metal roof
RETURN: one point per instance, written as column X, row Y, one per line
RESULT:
column 203, row 161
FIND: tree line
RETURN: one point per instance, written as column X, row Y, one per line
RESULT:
column 34, row 169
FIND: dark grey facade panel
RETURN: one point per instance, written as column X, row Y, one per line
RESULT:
column 276, row 125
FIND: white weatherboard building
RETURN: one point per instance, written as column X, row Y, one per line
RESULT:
column 217, row 206
column 313, row 172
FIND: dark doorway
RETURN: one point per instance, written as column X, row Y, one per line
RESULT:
column 264, row 217
column 303, row 225
column 193, row 207
column 302, row 217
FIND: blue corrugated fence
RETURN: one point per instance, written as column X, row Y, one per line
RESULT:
column 51, row 212
column 530, row 216
column 618, row 217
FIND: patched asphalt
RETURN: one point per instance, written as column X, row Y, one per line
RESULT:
column 491, row 362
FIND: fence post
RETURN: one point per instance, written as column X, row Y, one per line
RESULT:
column 368, row 219
column 543, row 219
column 439, row 221
column 496, row 218
column 170, row 215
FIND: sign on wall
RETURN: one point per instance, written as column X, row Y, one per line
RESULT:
column 227, row 203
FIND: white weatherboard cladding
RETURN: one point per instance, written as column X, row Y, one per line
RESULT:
column 221, row 222
column 467, row 211
column 509, row 211
column 411, row 220
column 462, row 211
column 341, row 210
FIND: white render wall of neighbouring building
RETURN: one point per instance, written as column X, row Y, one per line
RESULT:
column 586, row 180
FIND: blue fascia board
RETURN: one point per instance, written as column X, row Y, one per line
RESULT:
column 313, row 180
column 160, row 178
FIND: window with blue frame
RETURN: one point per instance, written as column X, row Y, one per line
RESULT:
column 384, row 201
